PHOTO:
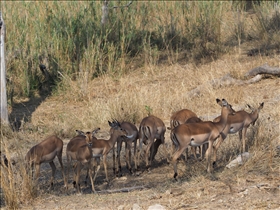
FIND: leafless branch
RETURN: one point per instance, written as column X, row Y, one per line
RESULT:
column 128, row 189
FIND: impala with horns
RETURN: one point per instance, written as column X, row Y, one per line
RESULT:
column 132, row 136
column 196, row 134
column 238, row 123
column 79, row 148
column 45, row 152
column 101, row 147
column 151, row 128
column 181, row 117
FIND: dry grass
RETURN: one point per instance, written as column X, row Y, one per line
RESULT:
column 128, row 88
column 164, row 89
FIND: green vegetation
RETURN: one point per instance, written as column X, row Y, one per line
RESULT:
column 68, row 37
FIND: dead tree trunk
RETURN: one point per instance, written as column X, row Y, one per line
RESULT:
column 4, row 110
column 264, row 69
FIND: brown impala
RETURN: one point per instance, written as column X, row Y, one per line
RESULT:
column 181, row 117
column 238, row 123
column 79, row 149
column 132, row 136
column 101, row 147
column 196, row 134
column 45, row 152
column 151, row 128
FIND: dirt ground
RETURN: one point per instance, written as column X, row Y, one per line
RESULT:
column 195, row 189
column 241, row 187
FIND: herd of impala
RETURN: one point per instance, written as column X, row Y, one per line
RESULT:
column 186, row 129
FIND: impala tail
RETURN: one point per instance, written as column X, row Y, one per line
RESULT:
column 174, row 140
column 146, row 131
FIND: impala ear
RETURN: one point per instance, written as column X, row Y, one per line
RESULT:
column 224, row 102
column 80, row 132
column 95, row 131
column 219, row 102
column 250, row 107
column 261, row 105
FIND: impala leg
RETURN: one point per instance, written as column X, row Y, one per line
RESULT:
column 77, row 178
column 200, row 151
column 176, row 155
column 187, row 154
column 119, row 148
column 208, row 156
column 105, row 166
column 53, row 172
column 59, row 156
column 67, row 177
column 139, row 151
column 90, row 175
column 37, row 172
column 244, row 130
column 96, row 163
column 173, row 145
column 165, row 149
column 148, row 163
column 154, row 149
column 193, row 149
column 204, row 148
column 128, row 155
column 135, row 159
column 114, row 160
column 215, row 149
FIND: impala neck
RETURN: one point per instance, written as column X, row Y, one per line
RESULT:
column 113, row 139
column 223, row 120
column 254, row 115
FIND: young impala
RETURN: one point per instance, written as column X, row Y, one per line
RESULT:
column 196, row 134
column 238, row 123
column 79, row 148
column 132, row 136
column 151, row 128
column 45, row 152
column 101, row 147
column 181, row 117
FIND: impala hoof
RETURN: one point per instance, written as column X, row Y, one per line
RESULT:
column 175, row 175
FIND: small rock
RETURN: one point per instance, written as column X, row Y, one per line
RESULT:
column 156, row 207
column 121, row 207
column 239, row 160
column 136, row 207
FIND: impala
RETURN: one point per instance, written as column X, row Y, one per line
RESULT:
column 45, row 152
column 79, row 149
column 238, row 123
column 132, row 136
column 181, row 117
column 196, row 134
column 202, row 148
column 151, row 128
column 101, row 147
